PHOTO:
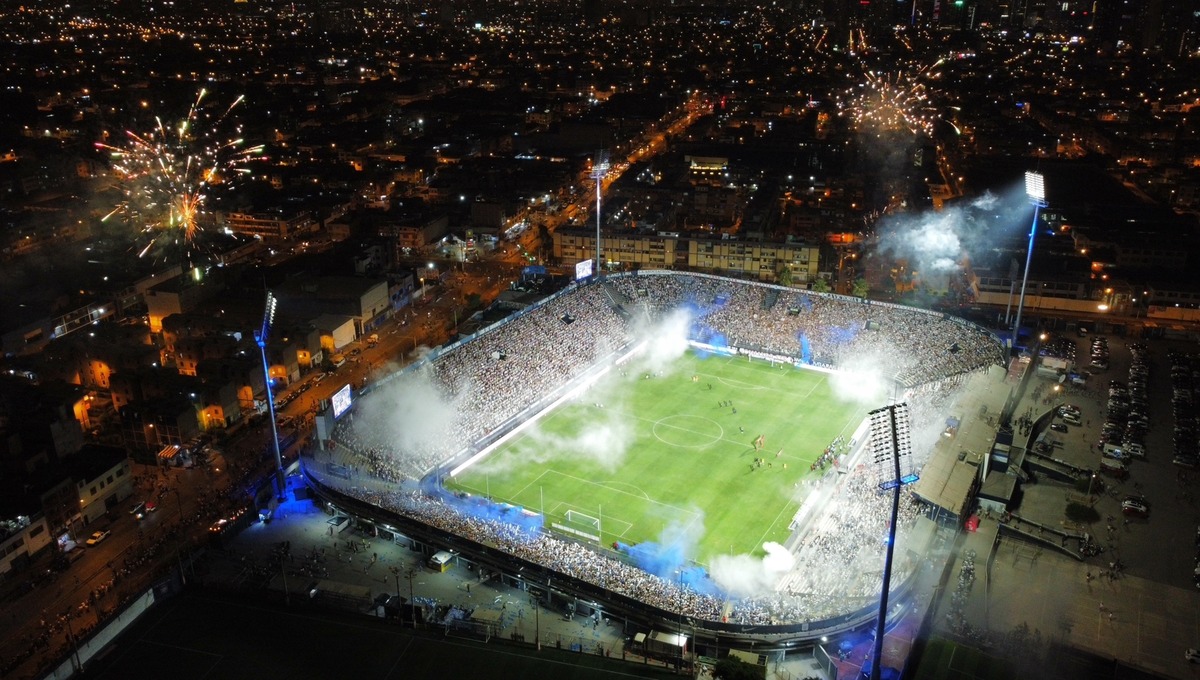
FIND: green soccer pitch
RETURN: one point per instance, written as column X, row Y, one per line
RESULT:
column 686, row 466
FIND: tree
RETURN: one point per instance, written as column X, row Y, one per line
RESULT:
column 733, row 668
column 820, row 285
column 861, row 287
column 785, row 276
column 1084, row 514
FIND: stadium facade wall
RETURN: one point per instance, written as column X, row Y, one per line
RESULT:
column 743, row 635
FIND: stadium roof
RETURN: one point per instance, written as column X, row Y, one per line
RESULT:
column 946, row 482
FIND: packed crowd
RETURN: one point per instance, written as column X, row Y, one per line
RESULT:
column 491, row 380
column 835, row 574
column 565, row 557
column 838, row 563
column 822, row 329
column 487, row 382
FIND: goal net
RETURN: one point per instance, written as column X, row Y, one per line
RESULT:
column 576, row 517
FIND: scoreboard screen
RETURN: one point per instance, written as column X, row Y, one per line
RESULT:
column 341, row 401
column 583, row 269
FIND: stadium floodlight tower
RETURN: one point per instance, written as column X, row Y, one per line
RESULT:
column 1035, row 189
column 599, row 170
column 892, row 452
column 260, row 337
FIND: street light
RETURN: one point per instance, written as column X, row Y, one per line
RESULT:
column 260, row 337
column 412, row 604
column 1035, row 189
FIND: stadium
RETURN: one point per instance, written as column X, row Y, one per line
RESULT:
column 661, row 447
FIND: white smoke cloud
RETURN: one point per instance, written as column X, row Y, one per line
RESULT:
column 602, row 433
column 408, row 413
column 748, row 576
column 938, row 241
column 603, row 437
column 666, row 341
column 861, row 380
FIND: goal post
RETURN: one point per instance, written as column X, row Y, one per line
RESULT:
column 577, row 517
column 580, row 525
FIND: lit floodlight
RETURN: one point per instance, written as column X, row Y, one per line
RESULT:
column 599, row 170
column 1035, row 187
column 891, row 451
column 260, row 337
column 891, row 446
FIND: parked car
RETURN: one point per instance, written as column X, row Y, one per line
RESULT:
column 1135, row 508
column 1058, row 427
column 97, row 537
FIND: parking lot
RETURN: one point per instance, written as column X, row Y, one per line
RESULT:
column 1147, row 611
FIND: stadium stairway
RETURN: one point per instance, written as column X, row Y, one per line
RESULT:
column 770, row 299
column 624, row 307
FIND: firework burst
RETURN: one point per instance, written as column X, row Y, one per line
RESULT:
column 165, row 174
column 891, row 102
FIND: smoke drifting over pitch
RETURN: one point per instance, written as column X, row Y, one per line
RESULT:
column 606, row 433
column 666, row 341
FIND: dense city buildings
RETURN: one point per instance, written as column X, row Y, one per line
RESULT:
column 499, row 197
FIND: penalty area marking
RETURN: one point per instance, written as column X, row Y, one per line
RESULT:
column 816, row 384
column 738, row 384
column 632, row 486
column 648, row 500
